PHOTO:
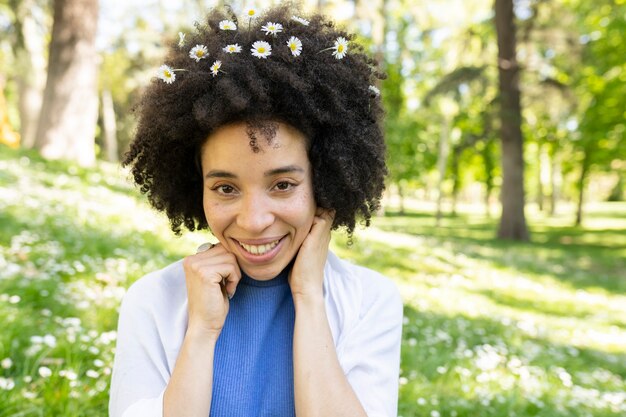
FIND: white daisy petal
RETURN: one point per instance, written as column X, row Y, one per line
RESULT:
column 272, row 28
column 215, row 68
column 295, row 45
column 198, row 52
column 166, row 73
column 261, row 49
column 340, row 48
column 300, row 20
column 375, row 91
column 228, row 25
column 233, row 48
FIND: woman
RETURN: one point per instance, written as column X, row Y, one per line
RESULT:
column 265, row 130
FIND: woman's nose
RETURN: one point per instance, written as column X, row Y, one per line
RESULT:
column 255, row 213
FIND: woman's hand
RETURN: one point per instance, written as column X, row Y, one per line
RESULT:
column 212, row 277
column 307, row 275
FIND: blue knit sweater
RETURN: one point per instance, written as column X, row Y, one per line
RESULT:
column 253, row 366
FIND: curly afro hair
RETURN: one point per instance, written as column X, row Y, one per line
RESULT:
column 327, row 98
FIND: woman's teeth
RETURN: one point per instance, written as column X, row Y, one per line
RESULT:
column 259, row 249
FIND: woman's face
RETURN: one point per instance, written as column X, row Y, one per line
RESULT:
column 259, row 205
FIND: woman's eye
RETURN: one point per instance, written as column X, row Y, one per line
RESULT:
column 283, row 186
column 225, row 189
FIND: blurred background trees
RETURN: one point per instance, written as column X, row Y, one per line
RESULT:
column 450, row 92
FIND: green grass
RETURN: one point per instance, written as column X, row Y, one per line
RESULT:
column 491, row 328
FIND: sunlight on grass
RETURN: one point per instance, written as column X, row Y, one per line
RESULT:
column 491, row 328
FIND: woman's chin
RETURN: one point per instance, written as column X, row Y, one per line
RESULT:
column 264, row 273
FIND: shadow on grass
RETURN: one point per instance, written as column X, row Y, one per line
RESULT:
column 441, row 360
column 561, row 252
column 562, row 308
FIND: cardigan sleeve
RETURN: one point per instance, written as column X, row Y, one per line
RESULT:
column 370, row 352
column 140, row 370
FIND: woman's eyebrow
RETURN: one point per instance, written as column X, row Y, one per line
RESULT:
column 219, row 174
column 283, row 170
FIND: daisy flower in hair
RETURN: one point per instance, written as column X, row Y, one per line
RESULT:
column 261, row 49
column 166, row 73
column 272, row 28
column 375, row 91
column 198, row 52
column 341, row 48
column 233, row 48
column 215, row 68
column 300, row 20
column 295, row 45
column 228, row 25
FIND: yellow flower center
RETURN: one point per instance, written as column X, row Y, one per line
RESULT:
column 340, row 48
column 250, row 12
column 167, row 74
column 293, row 46
column 261, row 50
column 199, row 53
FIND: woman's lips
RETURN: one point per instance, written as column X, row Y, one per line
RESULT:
column 261, row 250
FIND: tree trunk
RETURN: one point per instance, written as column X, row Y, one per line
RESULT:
column 512, row 220
column 109, row 127
column 540, row 170
column 32, row 68
column 456, row 178
column 488, row 161
column 70, row 104
column 584, row 171
column 401, row 197
column 555, row 179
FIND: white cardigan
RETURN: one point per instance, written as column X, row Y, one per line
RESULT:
column 364, row 312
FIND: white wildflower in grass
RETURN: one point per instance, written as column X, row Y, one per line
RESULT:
column 92, row 374
column 215, row 68
column 44, row 372
column 341, row 48
column 375, row 91
column 50, row 340
column 251, row 12
column 69, row 374
column 181, row 39
column 166, row 73
column 198, row 52
column 295, row 45
column 300, row 20
column 29, row 395
column 272, row 28
column 233, row 48
column 261, row 49
column 6, row 384
column 14, row 299
column 228, row 25
column 6, row 363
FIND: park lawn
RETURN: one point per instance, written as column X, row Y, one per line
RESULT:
column 491, row 328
